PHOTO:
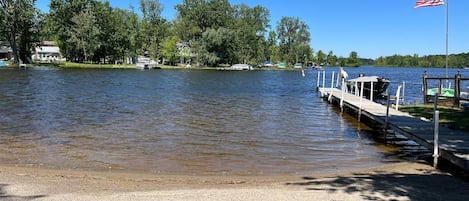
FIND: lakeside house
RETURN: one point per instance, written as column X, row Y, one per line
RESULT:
column 47, row 51
column 5, row 53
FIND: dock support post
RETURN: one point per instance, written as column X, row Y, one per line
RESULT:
column 403, row 92
column 332, row 80
column 342, row 95
column 385, row 127
column 436, row 120
column 323, row 79
column 425, row 87
column 361, row 101
column 435, row 148
column 398, row 97
column 319, row 80
column 457, row 89
column 332, row 87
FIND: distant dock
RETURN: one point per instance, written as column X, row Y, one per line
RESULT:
column 452, row 145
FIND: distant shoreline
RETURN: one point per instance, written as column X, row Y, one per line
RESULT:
column 71, row 65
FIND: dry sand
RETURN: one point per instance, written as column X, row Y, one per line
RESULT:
column 399, row 181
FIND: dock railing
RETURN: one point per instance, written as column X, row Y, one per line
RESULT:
column 459, row 93
column 338, row 82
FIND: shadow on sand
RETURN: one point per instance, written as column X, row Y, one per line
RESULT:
column 382, row 186
column 4, row 196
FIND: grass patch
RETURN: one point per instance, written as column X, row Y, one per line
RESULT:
column 455, row 118
column 84, row 65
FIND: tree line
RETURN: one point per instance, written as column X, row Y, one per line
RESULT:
column 454, row 60
column 204, row 33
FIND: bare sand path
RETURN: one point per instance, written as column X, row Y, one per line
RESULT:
column 399, row 181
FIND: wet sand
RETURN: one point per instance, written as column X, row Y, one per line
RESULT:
column 398, row 181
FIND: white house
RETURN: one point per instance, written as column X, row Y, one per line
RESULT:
column 47, row 51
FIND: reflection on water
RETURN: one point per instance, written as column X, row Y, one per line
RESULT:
column 188, row 122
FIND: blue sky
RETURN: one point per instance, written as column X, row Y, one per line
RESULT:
column 372, row 28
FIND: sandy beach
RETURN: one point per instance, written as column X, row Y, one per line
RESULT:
column 398, row 181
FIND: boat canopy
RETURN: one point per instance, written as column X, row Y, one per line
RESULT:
column 365, row 79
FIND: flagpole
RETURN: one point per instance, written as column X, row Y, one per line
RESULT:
column 446, row 62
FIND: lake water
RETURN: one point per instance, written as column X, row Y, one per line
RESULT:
column 185, row 122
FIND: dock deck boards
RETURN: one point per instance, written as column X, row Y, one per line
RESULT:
column 453, row 144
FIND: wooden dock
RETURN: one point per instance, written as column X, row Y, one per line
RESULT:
column 453, row 145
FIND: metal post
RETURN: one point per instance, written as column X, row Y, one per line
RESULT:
column 338, row 78
column 457, row 90
column 435, row 142
column 436, row 120
column 425, row 87
column 355, row 89
column 361, row 101
column 342, row 95
column 403, row 92
column 319, row 80
column 447, row 24
column 371, row 91
column 388, row 103
column 332, row 80
column 398, row 96
column 323, row 79
column 332, row 87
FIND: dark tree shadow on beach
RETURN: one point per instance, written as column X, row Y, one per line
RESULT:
column 383, row 186
column 4, row 196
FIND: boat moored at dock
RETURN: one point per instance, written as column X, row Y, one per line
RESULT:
column 237, row 67
column 373, row 86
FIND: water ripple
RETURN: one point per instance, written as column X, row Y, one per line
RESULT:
column 197, row 122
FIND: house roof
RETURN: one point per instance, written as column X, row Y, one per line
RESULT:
column 48, row 43
column 48, row 49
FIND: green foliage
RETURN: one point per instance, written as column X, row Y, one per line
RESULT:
column 454, row 60
column 294, row 36
column 331, row 59
column 169, row 49
column 84, row 34
column 213, row 32
column 321, row 57
column 154, row 27
column 249, row 28
column 456, row 118
column 353, row 60
column 19, row 20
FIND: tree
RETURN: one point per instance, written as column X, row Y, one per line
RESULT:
column 353, row 60
column 293, row 34
column 18, row 23
column 331, row 59
column 169, row 49
column 250, row 28
column 60, row 23
column 108, row 29
column 154, row 27
column 217, row 46
column 321, row 57
column 199, row 21
column 272, row 48
column 85, row 34
column 122, row 41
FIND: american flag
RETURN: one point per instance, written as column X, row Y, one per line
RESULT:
column 423, row 3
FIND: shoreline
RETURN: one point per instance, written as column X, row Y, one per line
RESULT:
column 399, row 181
